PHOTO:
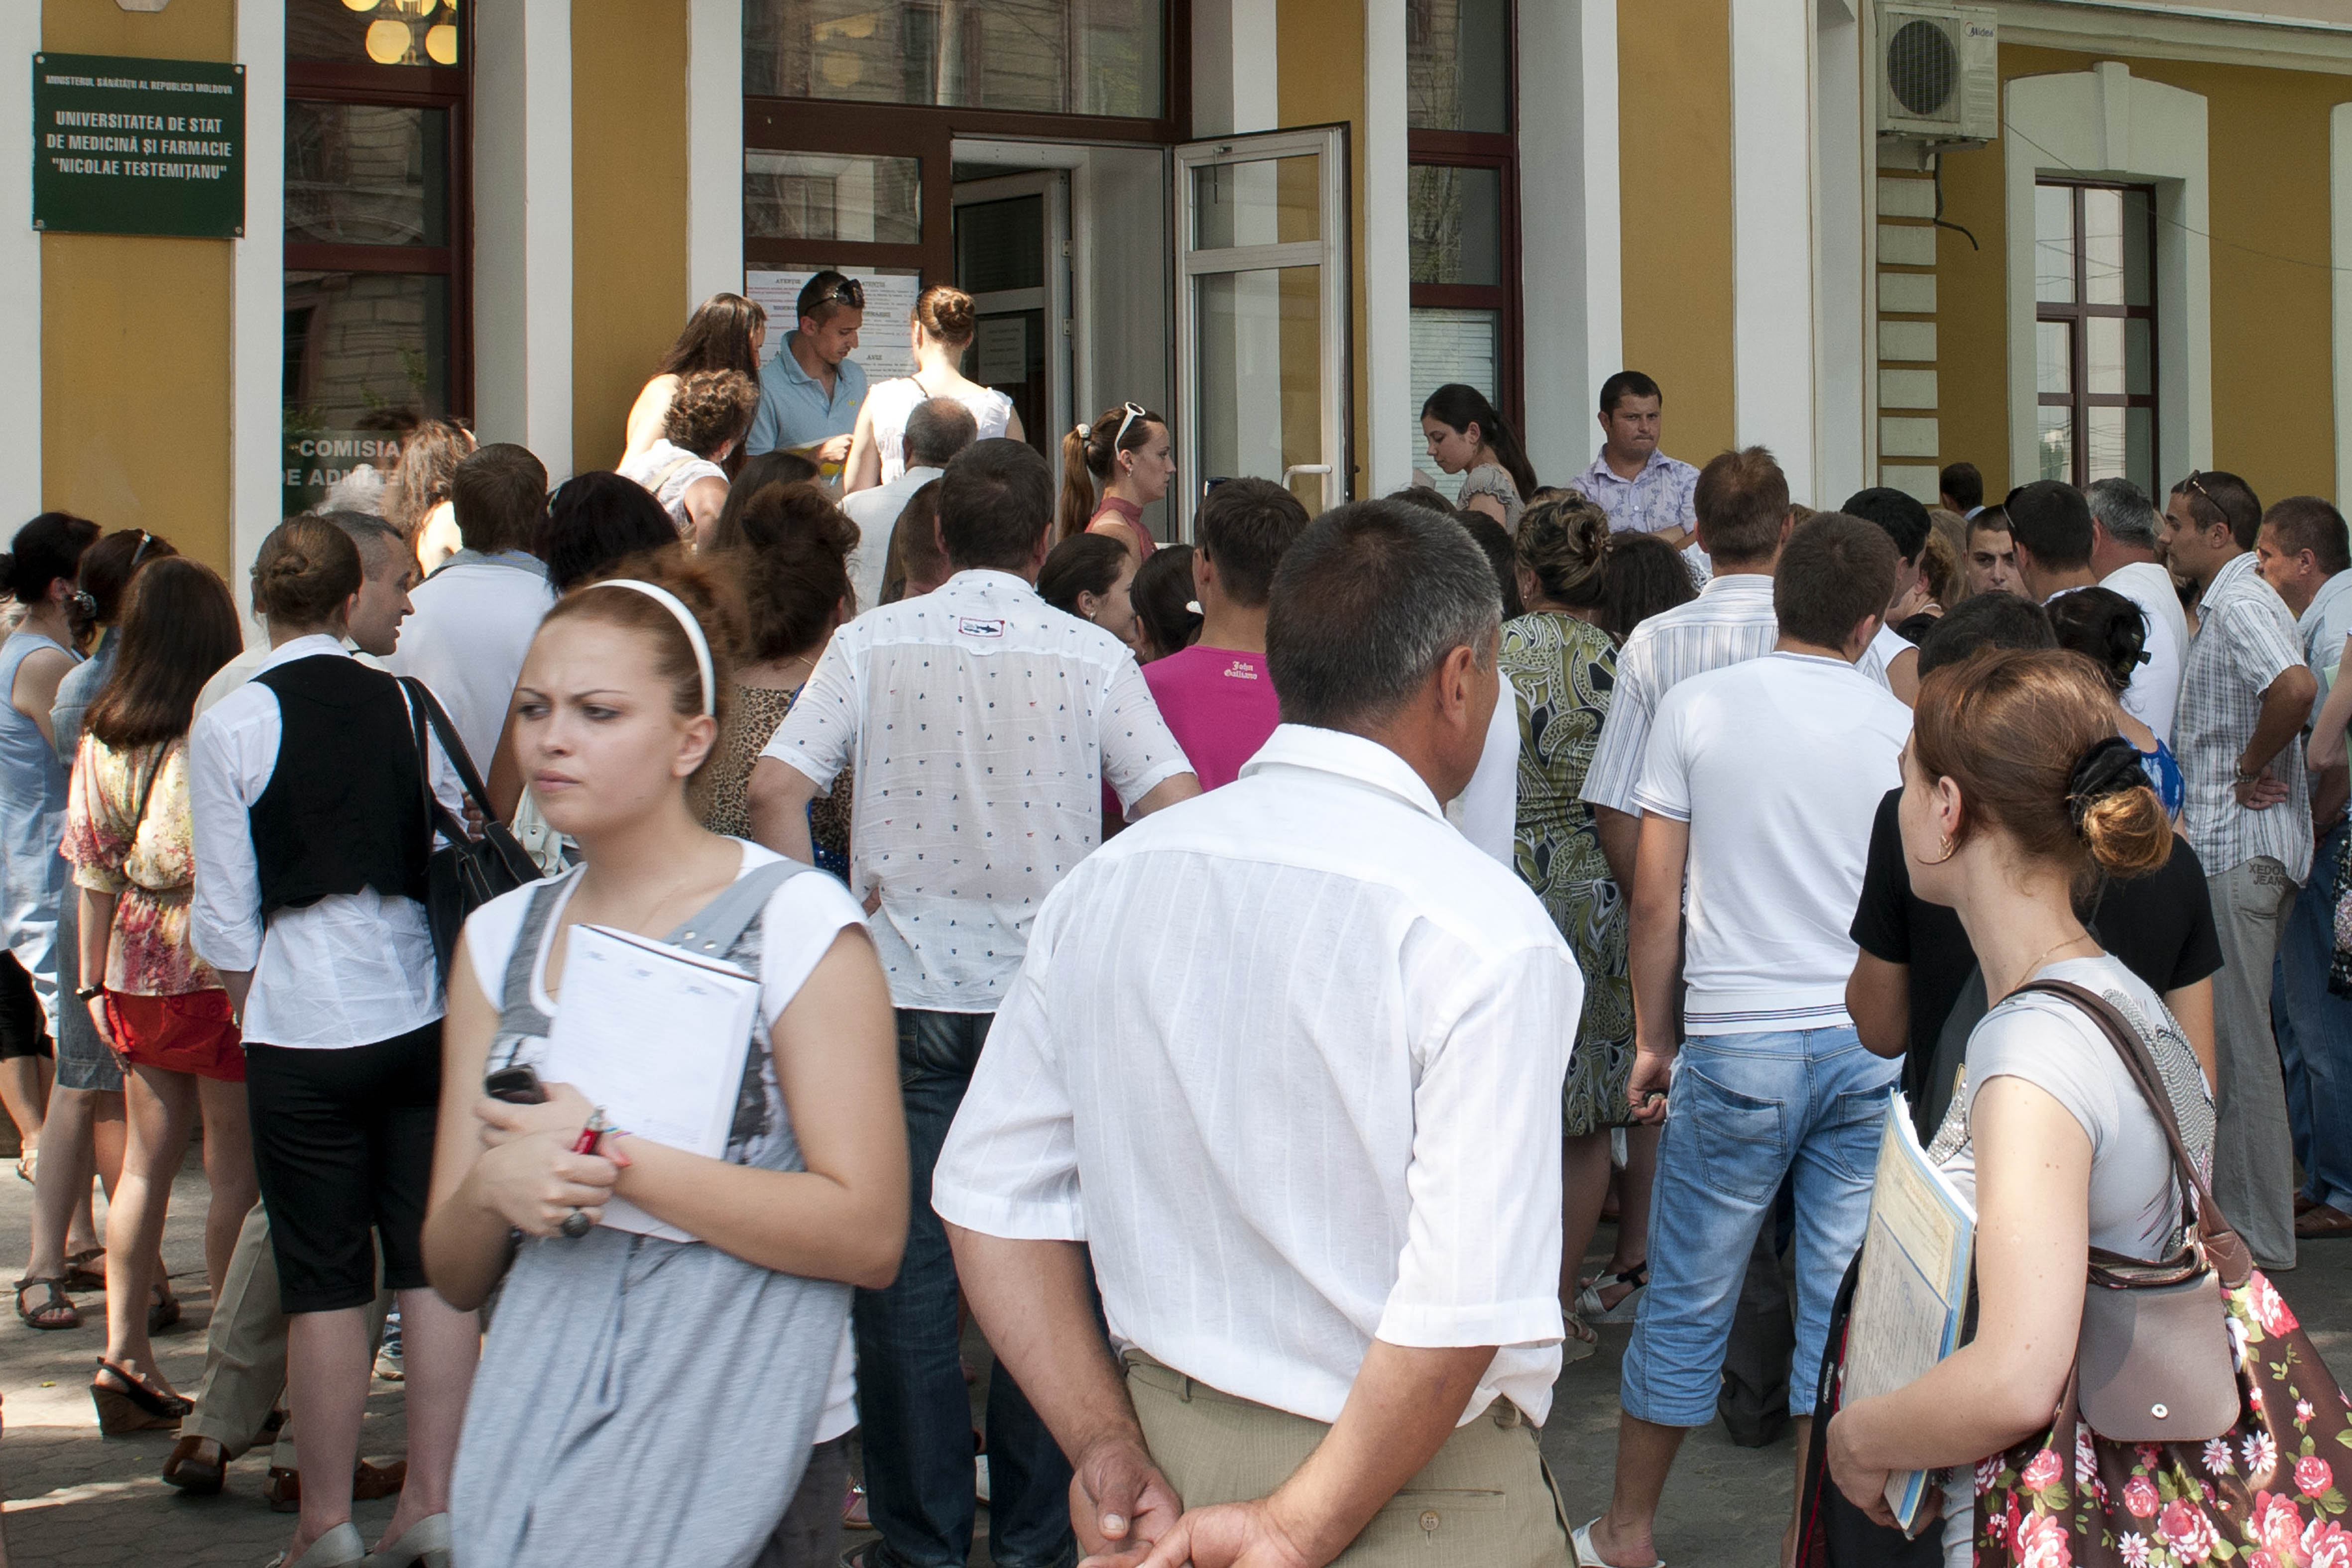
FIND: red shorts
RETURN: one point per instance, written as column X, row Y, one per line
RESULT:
column 192, row 1033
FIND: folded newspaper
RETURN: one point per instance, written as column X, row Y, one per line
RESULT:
column 1913, row 1285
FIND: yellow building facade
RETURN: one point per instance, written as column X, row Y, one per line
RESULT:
column 1281, row 222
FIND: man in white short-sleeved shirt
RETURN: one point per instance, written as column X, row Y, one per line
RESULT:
column 982, row 724
column 2124, row 525
column 1281, row 1070
column 1758, row 795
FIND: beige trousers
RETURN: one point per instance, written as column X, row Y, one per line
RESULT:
column 245, row 1350
column 1486, row 1498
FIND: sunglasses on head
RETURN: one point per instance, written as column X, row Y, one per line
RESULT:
column 86, row 603
column 1133, row 413
column 848, row 291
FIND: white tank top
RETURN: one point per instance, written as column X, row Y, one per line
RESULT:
column 889, row 403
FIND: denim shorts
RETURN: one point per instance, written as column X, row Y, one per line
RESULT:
column 1746, row 1112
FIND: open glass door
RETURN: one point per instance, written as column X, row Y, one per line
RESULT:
column 1012, row 256
column 1262, row 314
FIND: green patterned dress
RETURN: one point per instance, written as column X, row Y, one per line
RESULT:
column 1562, row 671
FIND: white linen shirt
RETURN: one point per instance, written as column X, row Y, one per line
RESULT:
column 1288, row 1057
column 2154, row 695
column 351, row 970
column 876, row 513
column 1730, row 622
column 473, row 624
column 984, row 723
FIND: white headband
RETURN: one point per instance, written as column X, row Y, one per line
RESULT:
column 693, row 628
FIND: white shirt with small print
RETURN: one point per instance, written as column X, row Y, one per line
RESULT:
column 983, row 723
column 1287, row 1058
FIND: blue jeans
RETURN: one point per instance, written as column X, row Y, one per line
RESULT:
column 910, row 1388
column 1746, row 1112
column 2314, row 1027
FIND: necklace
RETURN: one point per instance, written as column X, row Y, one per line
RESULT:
column 2035, row 967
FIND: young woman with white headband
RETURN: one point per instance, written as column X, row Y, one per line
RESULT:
column 644, row 1400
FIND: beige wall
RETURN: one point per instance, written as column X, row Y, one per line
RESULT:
column 2273, row 407
column 628, row 209
column 135, row 360
column 1673, row 82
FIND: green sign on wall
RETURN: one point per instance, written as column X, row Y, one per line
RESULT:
column 138, row 147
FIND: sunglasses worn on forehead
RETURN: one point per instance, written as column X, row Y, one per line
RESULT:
column 1133, row 413
column 848, row 291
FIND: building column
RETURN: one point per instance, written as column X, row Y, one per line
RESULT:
column 1387, row 255
column 20, row 262
column 257, row 298
column 2339, row 185
column 1772, row 235
column 714, row 150
column 1570, row 228
column 1843, row 144
column 522, row 227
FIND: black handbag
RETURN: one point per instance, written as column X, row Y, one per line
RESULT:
column 465, row 873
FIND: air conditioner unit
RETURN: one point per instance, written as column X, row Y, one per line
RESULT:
column 1939, row 74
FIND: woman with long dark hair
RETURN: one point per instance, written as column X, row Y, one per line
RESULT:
column 38, row 571
column 726, row 332
column 419, row 504
column 1088, row 576
column 130, row 836
column 1127, row 453
column 2111, row 631
column 1466, row 436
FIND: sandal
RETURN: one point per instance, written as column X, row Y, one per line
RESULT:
column 1580, row 1340
column 164, row 1313
column 86, row 1270
column 58, row 1312
column 2323, row 1219
column 28, row 1163
column 1589, row 1301
column 136, row 1405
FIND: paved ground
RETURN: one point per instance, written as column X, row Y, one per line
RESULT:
column 78, row 1501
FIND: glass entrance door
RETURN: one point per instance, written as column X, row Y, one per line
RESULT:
column 1012, row 256
column 1262, row 320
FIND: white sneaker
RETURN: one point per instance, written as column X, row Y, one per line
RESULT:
column 979, row 1478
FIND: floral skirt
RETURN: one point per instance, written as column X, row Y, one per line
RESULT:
column 1592, row 915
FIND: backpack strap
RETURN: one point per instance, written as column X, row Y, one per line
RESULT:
column 714, row 928
column 523, row 961
column 2222, row 1245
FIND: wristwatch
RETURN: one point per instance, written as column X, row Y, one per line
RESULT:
column 85, row 993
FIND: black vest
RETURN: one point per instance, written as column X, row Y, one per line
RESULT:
column 344, row 807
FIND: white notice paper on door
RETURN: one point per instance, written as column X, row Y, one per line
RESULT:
column 657, row 1038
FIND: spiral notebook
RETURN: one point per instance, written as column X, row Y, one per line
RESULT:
column 657, row 1038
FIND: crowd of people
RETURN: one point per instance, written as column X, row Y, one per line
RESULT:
column 1243, row 974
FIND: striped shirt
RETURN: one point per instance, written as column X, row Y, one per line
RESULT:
column 1662, row 496
column 1729, row 622
column 1287, row 1058
column 2245, row 640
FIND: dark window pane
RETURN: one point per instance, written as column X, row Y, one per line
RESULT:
column 387, row 32
column 2139, row 356
column 361, row 349
column 1046, row 56
column 2139, row 266
column 833, row 196
column 1456, row 221
column 1458, row 65
column 1001, row 244
column 366, row 174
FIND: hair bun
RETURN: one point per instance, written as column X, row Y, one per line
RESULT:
column 2116, row 811
column 947, row 313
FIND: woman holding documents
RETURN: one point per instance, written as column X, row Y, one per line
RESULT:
column 2016, row 791
column 697, row 1130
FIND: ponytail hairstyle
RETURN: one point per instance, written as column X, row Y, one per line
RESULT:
column 2104, row 627
column 1458, row 407
column 179, row 627
column 2030, row 740
column 947, row 315
column 48, row 548
column 1563, row 539
column 304, row 573
column 703, row 584
column 1090, row 457
column 108, row 566
column 718, row 337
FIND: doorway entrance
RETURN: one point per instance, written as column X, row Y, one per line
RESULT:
column 1012, row 256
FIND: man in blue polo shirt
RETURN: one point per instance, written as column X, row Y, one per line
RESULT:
column 811, row 390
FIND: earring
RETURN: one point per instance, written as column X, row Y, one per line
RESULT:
column 1949, row 847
